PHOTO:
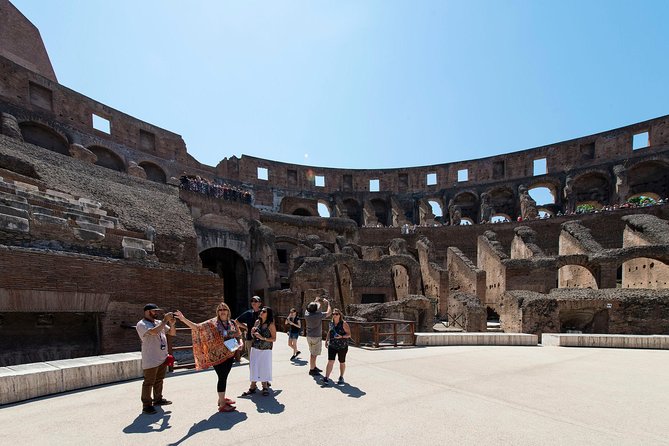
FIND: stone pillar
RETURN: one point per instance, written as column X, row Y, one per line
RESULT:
column 10, row 127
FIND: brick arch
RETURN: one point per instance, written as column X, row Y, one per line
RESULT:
column 381, row 210
column 107, row 158
column 47, row 137
column 553, row 185
column 648, row 176
column 353, row 210
column 570, row 269
column 503, row 200
column 468, row 200
column 153, row 172
column 592, row 186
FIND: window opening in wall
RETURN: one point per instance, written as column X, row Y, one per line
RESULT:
column 588, row 151
column 374, row 185
column 102, row 124
column 463, row 175
column 431, row 179
column 640, row 140
column 403, row 180
column 542, row 195
column 292, row 177
column 540, row 167
column 348, row 182
column 466, row 222
column 498, row 170
column 147, row 141
column 283, row 255
column 319, row 180
column 263, row 173
column 323, row 210
column 436, row 208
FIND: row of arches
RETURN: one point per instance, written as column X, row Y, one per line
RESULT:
column 53, row 140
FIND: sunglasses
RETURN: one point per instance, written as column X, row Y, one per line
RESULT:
column 222, row 309
column 263, row 311
column 336, row 314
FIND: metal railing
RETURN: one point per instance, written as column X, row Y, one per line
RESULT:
column 387, row 332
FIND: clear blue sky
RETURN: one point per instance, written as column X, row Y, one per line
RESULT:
column 364, row 84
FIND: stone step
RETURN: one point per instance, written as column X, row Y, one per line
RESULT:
column 49, row 219
column 92, row 227
column 42, row 210
column 16, row 212
column 476, row 339
column 108, row 222
column 90, row 203
column 88, row 235
column 81, row 217
column 14, row 201
column 13, row 223
column 137, row 243
column 62, row 196
column 134, row 253
column 19, row 185
column 659, row 342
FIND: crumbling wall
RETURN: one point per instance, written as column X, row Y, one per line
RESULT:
column 645, row 230
column 489, row 259
column 466, row 311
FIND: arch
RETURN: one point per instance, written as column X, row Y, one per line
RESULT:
column 45, row 137
column 466, row 221
column 302, row 212
column 468, row 202
column 584, row 320
column 542, row 195
column 576, row 276
column 323, row 209
column 648, row 177
column 353, row 211
column 592, row 187
column 231, row 267
column 500, row 218
column 545, row 213
column 502, row 201
column 436, row 208
column 107, row 158
column 153, row 172
column 380, row 210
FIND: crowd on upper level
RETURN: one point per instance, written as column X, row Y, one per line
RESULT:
column 195, row 183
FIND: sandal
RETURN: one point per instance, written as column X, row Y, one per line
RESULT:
column 250, row 392
column 229, row 401
column 227, row 408
column 265, row 392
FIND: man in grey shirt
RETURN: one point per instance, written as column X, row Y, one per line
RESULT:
column 314, row 319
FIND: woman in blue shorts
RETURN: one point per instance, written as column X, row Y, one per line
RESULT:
column 294, row 326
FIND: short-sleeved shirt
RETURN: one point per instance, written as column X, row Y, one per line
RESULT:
column 249, row 317
column 154, row 347
column 314, row 323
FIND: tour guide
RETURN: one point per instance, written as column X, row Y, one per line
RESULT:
column 154, row 355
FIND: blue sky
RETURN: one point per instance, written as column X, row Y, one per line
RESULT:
column 364, row 84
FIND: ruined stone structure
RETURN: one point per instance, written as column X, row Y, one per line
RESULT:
column 94, row 223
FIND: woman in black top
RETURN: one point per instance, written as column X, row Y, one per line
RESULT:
column 337, row 345
column 294, row 326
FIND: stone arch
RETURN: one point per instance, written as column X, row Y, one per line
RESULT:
column 500, row 218
column 302, row 212
column 593, row 186
column 231, row 267
column 576, row 271
column 45, row 137
column 353, row 210
column 381, row 210
column 323, row 208
column 468, row 202
column 153, row 172
column 400, row 276
column 502, row 201
column 107, row 158
column 437, row 208
column 650, row 176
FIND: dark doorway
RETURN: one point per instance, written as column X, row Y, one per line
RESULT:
column 231, row 267
column 373, row 298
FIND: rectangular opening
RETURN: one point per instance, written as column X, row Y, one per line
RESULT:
column 374, row 185
column 463, row 175
column 319, row 180
column 540, row 167
column 283, row 255
column 263, row 173
column 147, row 141
column 403, row 180
column 431, row 179
column 347, row 183
column 588, row 151
column 292, row 177
column 102, row 124
column 498, row 170
column 41, row 97
column 373, row 298
column 640, row 140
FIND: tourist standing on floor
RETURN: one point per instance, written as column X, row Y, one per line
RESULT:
column 247, row 320
column 314, row 320
column 214, row 344
column 337, row 344
column 260, row 365
column 294, row 326
column 152, row 332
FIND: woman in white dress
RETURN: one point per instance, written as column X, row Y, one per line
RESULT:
column 264, row 335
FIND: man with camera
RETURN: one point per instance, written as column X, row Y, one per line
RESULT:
column 314, row 319
column 152, row 332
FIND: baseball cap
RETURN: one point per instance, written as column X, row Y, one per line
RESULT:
column 148, row 307
column 256, row 299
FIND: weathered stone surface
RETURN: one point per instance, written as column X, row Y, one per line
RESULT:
column 13, row 223
column 134, row 253
column 10, row 126
column 134, row 170
column 82, row 153
column 88, row 235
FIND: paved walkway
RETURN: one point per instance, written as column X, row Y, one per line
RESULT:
column 424, row 396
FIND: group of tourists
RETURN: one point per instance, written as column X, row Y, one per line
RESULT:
column 195, row 183
column 219, row 341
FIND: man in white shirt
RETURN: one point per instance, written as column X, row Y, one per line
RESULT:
column 152, row 332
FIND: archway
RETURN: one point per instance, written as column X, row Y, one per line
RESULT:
column 380, row 210
column 576, row 276
column 353, row 210
column 323, row 209
column 231, row 267
column 107, row 158
column 649, row 177
column 153, row 172
column 46, row 137
column 542, row 195
column 591, row 188
column 302, row 212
